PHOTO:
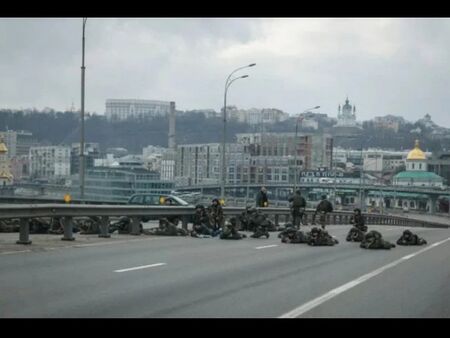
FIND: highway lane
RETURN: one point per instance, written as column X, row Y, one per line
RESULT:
column 188, row 277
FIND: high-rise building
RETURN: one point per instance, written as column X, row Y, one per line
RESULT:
column 50, row 162
column 200, row 163
column 168, row 165
column 312, row 150
column 91, row 152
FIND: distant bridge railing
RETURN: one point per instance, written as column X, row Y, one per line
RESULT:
column 445, row 191
column 68, row 212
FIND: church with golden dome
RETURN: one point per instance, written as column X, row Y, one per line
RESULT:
column 5, row 172
column 416, row 173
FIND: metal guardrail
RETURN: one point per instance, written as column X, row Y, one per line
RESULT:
column 42, row 200
column 67, row 212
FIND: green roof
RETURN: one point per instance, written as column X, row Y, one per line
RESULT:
column 422, row 175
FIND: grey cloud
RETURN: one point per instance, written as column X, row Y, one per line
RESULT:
column 390, row 66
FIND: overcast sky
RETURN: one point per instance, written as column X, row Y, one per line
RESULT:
column 385, row 66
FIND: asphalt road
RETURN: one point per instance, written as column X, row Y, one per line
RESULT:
column 189, row 277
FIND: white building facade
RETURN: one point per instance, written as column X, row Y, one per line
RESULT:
column 49, row 162
column 122, row 109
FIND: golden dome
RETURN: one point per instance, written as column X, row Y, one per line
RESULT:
column 416, row 153
column 4, row 174
column 3, row 149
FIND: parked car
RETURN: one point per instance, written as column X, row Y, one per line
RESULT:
column 156, row 199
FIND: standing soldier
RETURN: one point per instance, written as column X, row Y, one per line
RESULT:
column 262, row 200
column 297, row 208
column 322, row 209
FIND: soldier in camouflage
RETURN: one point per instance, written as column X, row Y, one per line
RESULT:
column 374, row 240
column 294, row 236
column 320, row 237
column 322, row 209
column 166, row 228
column 409, row 238
column 215, row 215
column 356, row 233
column 230, row 230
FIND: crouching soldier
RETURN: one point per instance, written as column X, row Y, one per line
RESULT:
column 230, row 230
column 408, row 238
column 259, row 223
column 374, row 240
column 320, row 237
column 244, row 219
column 294, row 236
column 200, row 223
column 356, row 233
column 358, row 220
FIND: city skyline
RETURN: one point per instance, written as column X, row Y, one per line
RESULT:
column 385, row 66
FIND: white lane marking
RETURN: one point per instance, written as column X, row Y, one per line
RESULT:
column 266, row 246
column 140, row 267
column 13, row 252
column 333, row 293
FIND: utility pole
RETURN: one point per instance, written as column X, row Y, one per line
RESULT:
column 83, row 68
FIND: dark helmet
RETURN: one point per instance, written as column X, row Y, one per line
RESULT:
column 324, row 197
column 407, row 233
column 215, row 200
column 357, row 210
column 298, row 192
column 199, row 206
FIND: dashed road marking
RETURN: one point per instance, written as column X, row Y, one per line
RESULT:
column 140, row 267
column 266, row 246
column 13, row 252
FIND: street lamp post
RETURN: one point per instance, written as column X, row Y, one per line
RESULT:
column 300, row 117
column 334, row 167
column 361, row 181
column 228, row 83
column 83, row 68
